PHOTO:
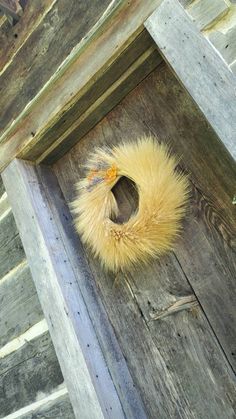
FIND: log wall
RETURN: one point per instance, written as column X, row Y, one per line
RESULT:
column 31, row 383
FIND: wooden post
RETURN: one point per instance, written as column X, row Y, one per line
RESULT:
column 199, row 67
column 51, row 257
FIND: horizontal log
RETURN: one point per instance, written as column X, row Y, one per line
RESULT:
column 27, row 373
column 13, row 39
column 204, row 73
column 19, row 305
column 11, row 8
column 59, row 408
column 11, row 249
column 44, row 50
column 74, row 77
column 2, row 189
column 225, row 43
column 205, row 12
column 117, row 91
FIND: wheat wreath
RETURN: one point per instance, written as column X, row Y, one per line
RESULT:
column 162, row 191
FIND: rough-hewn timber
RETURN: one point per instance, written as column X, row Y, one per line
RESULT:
column 88, row 379
column 11, row 249
column 19, row 305
column 205, row 75
column 2, row 189
column 43, row 51
column 27, row 374
column 77, row 74
column 205, row 12
column 55, row 409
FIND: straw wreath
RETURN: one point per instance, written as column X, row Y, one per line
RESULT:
column 162, row 191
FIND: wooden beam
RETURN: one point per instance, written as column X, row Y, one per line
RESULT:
column 205, row 12
column 93, row 66
column 11, row 8
column 198, row 66
column 40, row 212
column 31, row 370
column 144, row 65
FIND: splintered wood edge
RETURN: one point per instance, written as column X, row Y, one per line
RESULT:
column 116, row 30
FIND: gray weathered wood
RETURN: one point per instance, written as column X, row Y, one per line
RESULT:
column 117, row 91
column 27, row 373
column 11, row 8
column 170, row 113
column 2, row 189
column 225, row 43
column 46, row 47
column 174, row 356
column 161, row 106
column 11, row 249
column 4, row 206
column 19, row 305
column 88, row 380
column 114, row 35
column 233, row 67
column 205, row 12
column 130, row 399
column 210, row 266
column 59, row 408
column 185, row 3
column 204, row 74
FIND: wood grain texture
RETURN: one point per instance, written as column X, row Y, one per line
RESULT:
column 11, row 249
column 11, row 8
column 111, row 36
column 204, row 74
column 185, row 3
column 210, row 266
column 12, row 38
column 167, row 111
column 205, row 12
column 130, row 399
column 116, row 92
column 19, row 305
column 2, row 189
column 88, row 380
column 225, row 43
column 161, row 106
column 169, row 342
column 28, row 373
column 59, row 408
column 233, row 67
column 79, row 111
column 43, row 52
column 4, row 206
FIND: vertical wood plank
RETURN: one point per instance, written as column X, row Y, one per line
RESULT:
column 175, row 360
column 128, row 395
column 199, row 67
column 88, row 380
column 57, row 267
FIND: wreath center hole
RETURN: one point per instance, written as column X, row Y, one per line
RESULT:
column 126, row 195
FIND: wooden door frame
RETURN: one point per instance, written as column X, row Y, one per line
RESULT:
column 77, row 321
column 88, row 85
column 40, row 135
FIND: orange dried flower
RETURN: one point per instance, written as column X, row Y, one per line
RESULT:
column 111, row 173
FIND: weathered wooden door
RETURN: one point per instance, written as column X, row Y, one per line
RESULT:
column 157, row 342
